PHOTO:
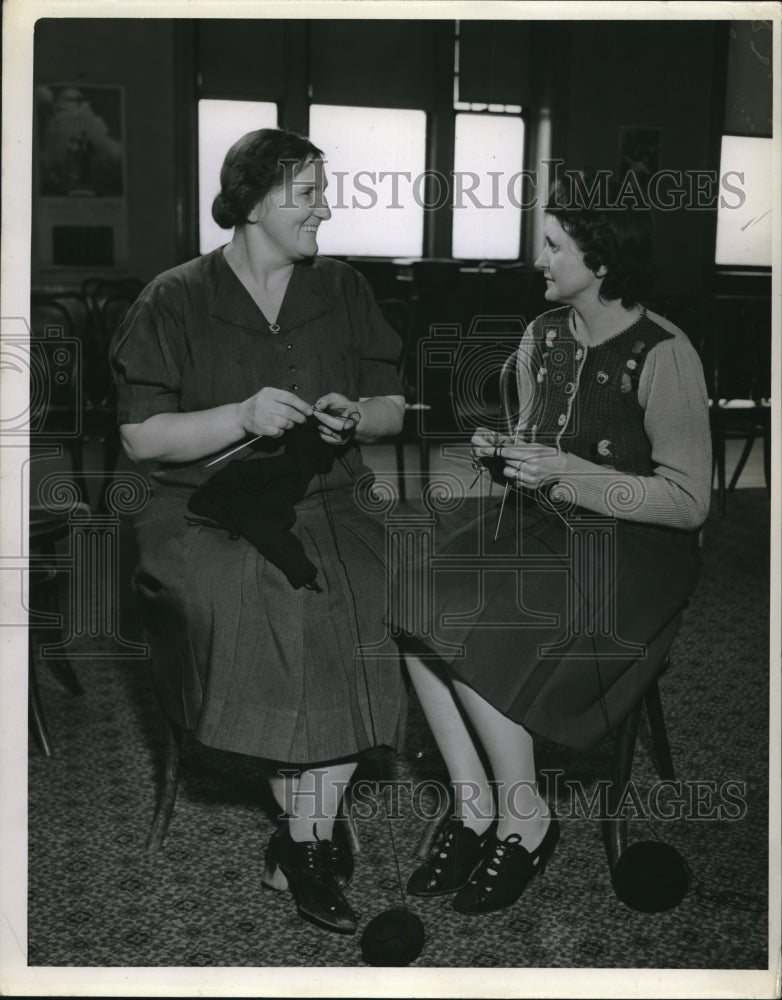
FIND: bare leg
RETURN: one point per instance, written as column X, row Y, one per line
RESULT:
column 283, row 788
column 311, row 799
column 474, row 800
column 509, row 747
column 317, row 799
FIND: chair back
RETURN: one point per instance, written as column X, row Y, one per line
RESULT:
column 56, row 367
column 695, row 317
column 108, row 301
column 742, row 354
column 396, row 313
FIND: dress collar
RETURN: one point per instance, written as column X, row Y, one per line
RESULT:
column 303, row 301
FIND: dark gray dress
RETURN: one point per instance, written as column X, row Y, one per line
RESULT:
column 238, row 655
column 564, row 618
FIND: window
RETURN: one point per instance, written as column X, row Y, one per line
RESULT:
column 220, row 124
column 744, row 206
column 375, row 165
column 488, row 191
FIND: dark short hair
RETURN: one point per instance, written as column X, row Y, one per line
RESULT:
column 611, row 233
column 252, row 167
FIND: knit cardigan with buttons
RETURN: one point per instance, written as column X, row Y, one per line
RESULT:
column 631, row 414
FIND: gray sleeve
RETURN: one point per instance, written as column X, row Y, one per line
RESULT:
column 672, row 392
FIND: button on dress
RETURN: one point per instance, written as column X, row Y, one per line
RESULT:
column 238, row 655
column 557, row 613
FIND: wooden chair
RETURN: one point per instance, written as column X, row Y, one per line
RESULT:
column 57, row 380
column 46, row 529
column 624, row 741
column 108, row 301
column 175, row 739
column 741, row 384
column 732, row 335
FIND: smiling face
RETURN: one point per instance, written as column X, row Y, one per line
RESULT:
column 288, row 217
column 568, row 279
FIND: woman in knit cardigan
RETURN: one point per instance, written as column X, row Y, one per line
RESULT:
column 607, row 469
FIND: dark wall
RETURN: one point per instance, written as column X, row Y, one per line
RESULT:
column 137, row 55
column 592, row 78
column 650, row 75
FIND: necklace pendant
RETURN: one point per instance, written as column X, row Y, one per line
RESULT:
column 274, row 327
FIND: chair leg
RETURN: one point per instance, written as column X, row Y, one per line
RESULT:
column 167, row 797
column 767, row 455
column 348, row 819
column 111, row 451
column 719, row 459
column 426, row 841
column 423, row 453
column 660, row 746
column 66, row 675
column 59, row 666
column 76, row 448
column 624, row 750
column 36, row 719
column 400, row 469
column 745, row 453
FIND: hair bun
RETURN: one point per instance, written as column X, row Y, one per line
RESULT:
column 224, row 213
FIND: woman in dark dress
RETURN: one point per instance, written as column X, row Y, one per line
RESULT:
column 257, row 343
column 608, row 460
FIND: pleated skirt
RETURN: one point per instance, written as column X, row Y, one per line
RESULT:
column 254, row 666
column 561, row 622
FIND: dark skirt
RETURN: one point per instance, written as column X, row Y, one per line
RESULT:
column 255, row 666
column 561, row 622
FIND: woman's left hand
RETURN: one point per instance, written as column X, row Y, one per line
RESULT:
column 338, row 418
column 532, row 465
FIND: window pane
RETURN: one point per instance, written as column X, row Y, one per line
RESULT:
column 744, row 207
column 372, row 215
column 488, row 153
column 220, row 124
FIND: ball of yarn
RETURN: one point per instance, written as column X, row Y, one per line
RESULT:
column 393, row 938
column 651, row 877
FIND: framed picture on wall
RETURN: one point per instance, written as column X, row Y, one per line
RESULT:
column 80, row 204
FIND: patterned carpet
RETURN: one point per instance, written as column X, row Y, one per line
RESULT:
column 96, row 899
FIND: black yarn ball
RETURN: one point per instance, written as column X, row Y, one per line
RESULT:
column 651, row 877
column 393, row 937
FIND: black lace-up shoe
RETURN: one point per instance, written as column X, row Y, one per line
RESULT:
column 307, row 870
column 456, row 853
column 505, row 872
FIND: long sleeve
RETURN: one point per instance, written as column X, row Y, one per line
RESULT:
column 672, row 393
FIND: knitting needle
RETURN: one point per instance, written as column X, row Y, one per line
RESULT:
column 507, row 487
column 233, row 451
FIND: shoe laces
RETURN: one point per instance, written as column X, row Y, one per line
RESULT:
column 502, row 847
column 317, row 857
column 447, row 837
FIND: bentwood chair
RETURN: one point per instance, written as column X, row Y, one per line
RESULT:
column 741, row 379
column 108, row 301
column 57, row 380
column 46, row 529
column 175, row 740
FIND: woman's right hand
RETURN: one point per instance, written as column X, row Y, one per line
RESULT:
column 271, row 412
column 485, row 441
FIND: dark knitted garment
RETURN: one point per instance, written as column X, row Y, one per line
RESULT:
column 256, row 499
column 589, row 398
